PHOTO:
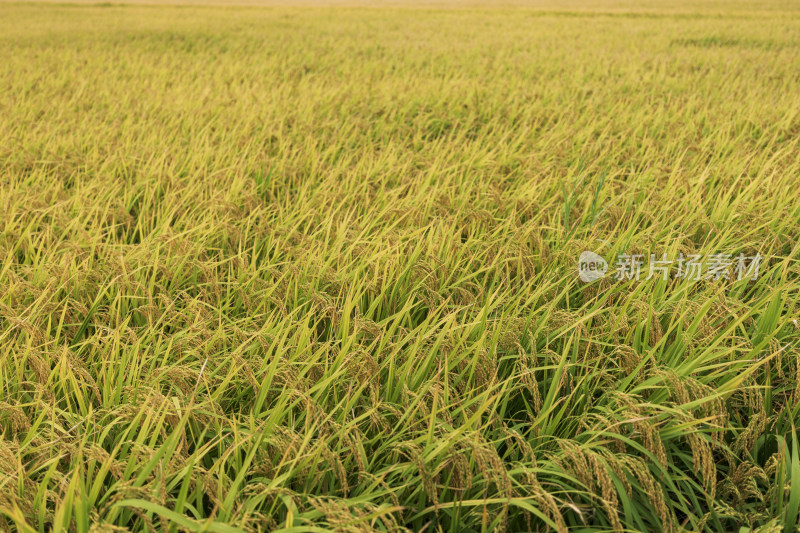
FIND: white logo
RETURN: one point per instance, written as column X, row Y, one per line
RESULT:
column 591, row 267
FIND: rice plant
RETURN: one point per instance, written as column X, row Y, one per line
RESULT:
column 315, row 268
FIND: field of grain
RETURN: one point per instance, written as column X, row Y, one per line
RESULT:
column 315, row 267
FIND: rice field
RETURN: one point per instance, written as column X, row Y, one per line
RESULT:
column 315, row 267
